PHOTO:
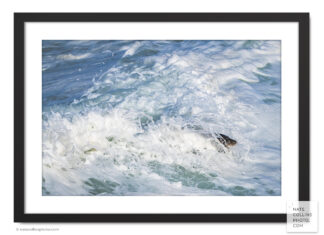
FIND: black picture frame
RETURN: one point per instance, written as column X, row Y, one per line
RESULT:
column 19, row 111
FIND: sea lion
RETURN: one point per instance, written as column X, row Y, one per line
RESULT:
column 223, row 139
column 226, row 141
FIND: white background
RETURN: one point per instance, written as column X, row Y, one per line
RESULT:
column 6, row 99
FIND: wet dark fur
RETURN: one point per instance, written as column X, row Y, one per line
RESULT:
column 223, row 139
column 226, row 141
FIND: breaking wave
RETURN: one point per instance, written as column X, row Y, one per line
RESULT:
column 142, row 117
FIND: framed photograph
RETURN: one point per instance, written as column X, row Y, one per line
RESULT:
column 160, row 117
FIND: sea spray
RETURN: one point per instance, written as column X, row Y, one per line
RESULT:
column 115, row 117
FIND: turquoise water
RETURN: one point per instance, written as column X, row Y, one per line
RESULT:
column 142, row 117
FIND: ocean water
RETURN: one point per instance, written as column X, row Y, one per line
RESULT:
column 142, row 117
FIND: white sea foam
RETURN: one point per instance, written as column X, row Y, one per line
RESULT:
column 132, row 49
column 73, row 57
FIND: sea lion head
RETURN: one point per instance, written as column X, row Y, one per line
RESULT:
column 226, row 141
